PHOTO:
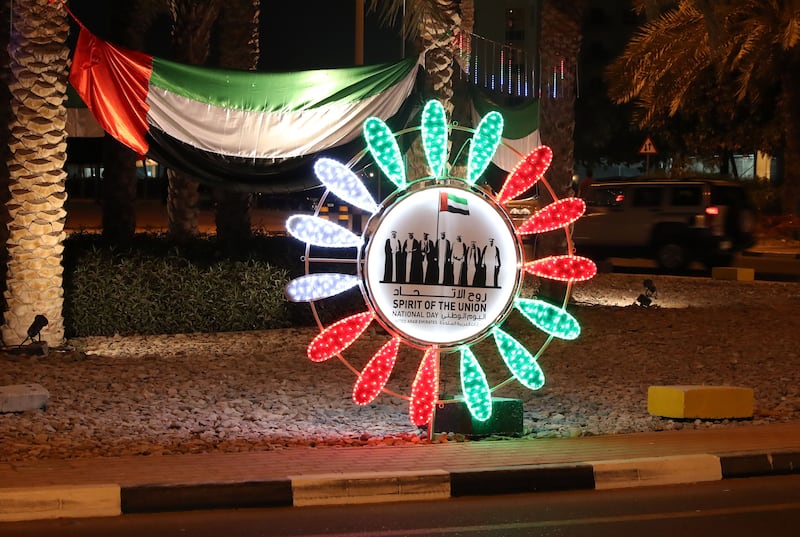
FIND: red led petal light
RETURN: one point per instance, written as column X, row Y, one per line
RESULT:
column 425, row 390
column 525, row 174
column 556, row 215
column 566, row 268
column 376, row 373
column 338, row 336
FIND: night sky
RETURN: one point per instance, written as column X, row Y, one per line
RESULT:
column 307, row 34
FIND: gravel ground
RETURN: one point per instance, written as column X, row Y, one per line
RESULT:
column 245, row 391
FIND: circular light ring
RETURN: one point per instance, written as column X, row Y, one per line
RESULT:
column 423, row 397
column 411, row 304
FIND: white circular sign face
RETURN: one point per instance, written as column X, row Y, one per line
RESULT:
column 442, row 266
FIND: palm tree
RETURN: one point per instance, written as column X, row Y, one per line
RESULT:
column 5, row 119
column 559, row 46
column 560, row 43
column 192, row 22
column 38, row 58
column 239, row 28
column 755, row 43
column 130, row 23
column 434, row 25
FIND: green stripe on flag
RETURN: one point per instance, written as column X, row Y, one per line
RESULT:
column 270, row 92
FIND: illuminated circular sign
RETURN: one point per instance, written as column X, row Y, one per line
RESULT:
column 441, row 266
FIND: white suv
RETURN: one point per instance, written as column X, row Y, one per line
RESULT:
column 674, row 221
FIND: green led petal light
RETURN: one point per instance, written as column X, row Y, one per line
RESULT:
column 475, row 387
column 434, row 137
column 548, row 318
column 484, row 144
column 383, row 146
column 519, row 360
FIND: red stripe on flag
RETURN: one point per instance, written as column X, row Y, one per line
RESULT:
column 113, row 82
column 442, row 201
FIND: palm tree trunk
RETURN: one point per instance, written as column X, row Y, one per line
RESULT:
column 130, row 24
column 437, row 38
column 5, row 120
column 38, row 141
column 560, row 43
column 192, row 22
column 790, row 109
column 119, row 191
column 240, row 33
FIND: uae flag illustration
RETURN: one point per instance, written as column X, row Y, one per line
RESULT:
column 226, row 124
column 452, row 204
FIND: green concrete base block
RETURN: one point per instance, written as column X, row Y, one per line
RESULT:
column 506, row 419
column 700, row 402
column 738, row 274
column 22, row 397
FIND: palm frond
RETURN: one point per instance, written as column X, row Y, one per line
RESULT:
column 676, row 41
column 410, row 12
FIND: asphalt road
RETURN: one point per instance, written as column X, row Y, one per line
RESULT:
column 734, row 508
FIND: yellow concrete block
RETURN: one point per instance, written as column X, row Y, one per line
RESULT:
column 704, row 402
column 739, row 274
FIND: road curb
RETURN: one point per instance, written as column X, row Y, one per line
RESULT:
column 521, row 479
column 35, row 503
column 156, row 498
column 654, row 471
column 59, row 501
column 339, row 489
column 781, row 255
column 750, row 464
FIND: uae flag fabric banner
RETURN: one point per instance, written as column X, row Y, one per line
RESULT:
column 452, row 204
column 520, row 126
column 226, row 125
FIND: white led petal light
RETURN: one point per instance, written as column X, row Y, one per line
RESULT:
column 344, row 183
column 320, row 232
column 317, row 286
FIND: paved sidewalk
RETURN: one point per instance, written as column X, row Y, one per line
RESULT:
column 307, row 476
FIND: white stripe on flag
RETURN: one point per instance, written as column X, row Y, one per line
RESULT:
column 281, row 134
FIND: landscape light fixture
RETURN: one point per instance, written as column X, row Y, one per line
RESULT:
column 646, row 299
column 35, row 329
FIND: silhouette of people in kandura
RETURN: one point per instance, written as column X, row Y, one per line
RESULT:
column 412, row 253
column 460, row 261
column 490, row 263
column 430, row 269
column 473, row 264
column 440, row 262
column 444, row 261
column 394, row 269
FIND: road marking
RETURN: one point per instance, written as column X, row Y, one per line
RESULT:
column 466, row 530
